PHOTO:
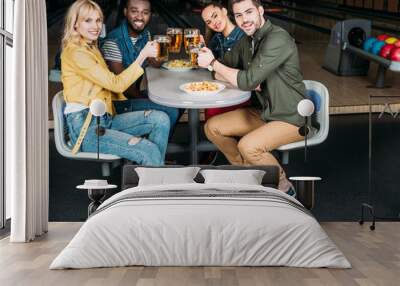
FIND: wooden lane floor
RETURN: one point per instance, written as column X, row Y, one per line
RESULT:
column 375, row 257
column 348, row 95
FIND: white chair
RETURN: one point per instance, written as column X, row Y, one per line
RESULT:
column 63, row 147
column 319, row 94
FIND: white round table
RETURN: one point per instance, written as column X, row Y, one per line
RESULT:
column 304, row 186
column 163, row 87
column 305, row 178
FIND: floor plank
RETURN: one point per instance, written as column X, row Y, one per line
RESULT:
column 375, row 257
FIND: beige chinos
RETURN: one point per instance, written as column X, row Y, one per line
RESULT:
column 245, row 139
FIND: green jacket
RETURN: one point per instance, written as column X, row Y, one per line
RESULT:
column 275, row 65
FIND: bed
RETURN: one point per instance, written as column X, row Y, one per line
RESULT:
column 201, row 224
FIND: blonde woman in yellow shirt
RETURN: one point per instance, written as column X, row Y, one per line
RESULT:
column 86, row 77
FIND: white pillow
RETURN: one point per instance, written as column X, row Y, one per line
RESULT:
column 166, row 176
column 248, row 177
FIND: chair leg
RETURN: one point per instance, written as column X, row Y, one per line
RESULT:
column 285, row 157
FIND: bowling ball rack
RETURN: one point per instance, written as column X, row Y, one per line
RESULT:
column 384, row 64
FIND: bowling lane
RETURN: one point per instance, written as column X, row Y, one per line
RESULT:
column 324, row 16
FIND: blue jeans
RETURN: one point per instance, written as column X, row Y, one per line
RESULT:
column 123, row 136
column 136, row 104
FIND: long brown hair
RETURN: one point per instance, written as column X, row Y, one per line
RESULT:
column 208, row 32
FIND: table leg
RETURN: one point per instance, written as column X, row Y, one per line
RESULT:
column 194, row 119
column 305, row 193
column 96, row 197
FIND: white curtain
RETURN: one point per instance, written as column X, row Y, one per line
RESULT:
column 26, row 120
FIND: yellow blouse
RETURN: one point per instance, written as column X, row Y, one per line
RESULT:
column 85, row 76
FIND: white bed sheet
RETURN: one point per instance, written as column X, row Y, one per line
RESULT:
column 200, row 232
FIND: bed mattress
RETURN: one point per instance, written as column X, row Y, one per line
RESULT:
column 201, row 225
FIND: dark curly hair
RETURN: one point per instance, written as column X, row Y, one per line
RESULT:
column 256, row 3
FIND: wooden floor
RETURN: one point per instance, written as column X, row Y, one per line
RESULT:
column 375, row 257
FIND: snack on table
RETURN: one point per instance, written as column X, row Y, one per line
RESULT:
column 202, row 86
column 179, row 64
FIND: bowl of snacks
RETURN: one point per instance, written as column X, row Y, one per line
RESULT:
column 178, row 65
column 202, row 87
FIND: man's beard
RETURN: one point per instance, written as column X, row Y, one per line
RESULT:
column 247, row 23
column 135, row 29
column 256, row 25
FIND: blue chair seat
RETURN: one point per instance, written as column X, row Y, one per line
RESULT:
column 319, row 94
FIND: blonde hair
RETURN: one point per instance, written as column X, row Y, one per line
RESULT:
column 77, row 13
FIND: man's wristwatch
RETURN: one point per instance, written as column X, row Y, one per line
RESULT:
column 210, row 66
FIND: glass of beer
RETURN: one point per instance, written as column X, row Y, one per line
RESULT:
column 176, row 36
column 194, row 50
column 191, row 36
column 163, row 47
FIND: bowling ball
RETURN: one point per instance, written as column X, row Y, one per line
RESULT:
column 385, row 51
column 367, row 46
column 391, row 40
column 397, row 44
column 356, row 37
column 395, row 55
column 377, row 46
column 382, row 37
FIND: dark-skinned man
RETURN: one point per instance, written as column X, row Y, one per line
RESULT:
column 121, row 47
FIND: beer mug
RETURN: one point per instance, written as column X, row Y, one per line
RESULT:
column 163, row 47
column 194, row 50
column 191, row 36
column 176, row 36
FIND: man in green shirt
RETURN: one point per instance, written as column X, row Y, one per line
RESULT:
column 266, row 62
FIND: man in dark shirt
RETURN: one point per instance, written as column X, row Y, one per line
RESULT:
column 267, row 62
